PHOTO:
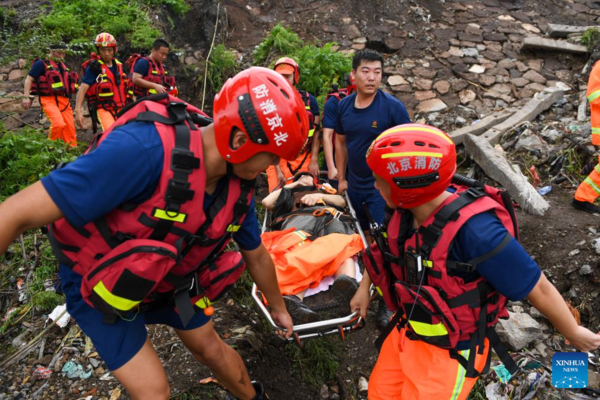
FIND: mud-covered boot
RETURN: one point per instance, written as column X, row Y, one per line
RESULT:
column 383, row 315
column 300, row 312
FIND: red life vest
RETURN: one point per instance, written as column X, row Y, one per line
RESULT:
column 156, row 74
column 108, row 91
column 166, row 247
column 57, row 80
column 306, row 150
column 438, row 306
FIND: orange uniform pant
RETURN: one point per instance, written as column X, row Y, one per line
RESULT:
column 60, row 114
column 589, row 189
column 287, row 173
column 105, row 118
column 420, row 372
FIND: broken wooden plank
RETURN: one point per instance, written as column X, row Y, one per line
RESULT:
column 562, row 31
column 497, row 167
column 483, row 125
column 561, row 46
column 541, row 102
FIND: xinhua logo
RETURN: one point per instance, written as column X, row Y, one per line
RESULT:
column 570, row 370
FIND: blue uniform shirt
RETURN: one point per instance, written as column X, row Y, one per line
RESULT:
column 141, row 67
column 37, row 69
column 361, row 127
column 126, row 168
column 314, row 105
column 89, row 78
column 330, row 113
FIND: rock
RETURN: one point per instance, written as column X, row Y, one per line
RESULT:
column 458, row 84
column 432, row 105
column 470, row 52
column 16, row 75
column 519, row 331
column 574, row 252
column 442, row 87
column 531, row 28
column 534, row 76
column 324, row 392
column 596, row 245
column 519, row 82
column 502, row 88
column 456, row 52
column 22, row 63
column 585, row 270
column 358, row 46
column 423, row 84
column 190, row 60
column 507, row 64
column 495, row 37
column 361, row 39
column 477, row 69
column 493, row 55
column 393, row 44
column 352, row 31
column 487, row 80
column 363, row 385
column 402, row 88
column 536, row 87
column 424, row 95
column 466, row 96
column 396, row 80
column 423, row 72
column 481, row 126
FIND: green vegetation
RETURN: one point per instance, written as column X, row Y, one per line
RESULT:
column 318, row 360
column 320, row 67
column 26, row 156
column 222, row 65
column 590, row 38
column 77, row 22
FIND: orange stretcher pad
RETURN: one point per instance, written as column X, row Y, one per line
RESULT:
column 301, row 263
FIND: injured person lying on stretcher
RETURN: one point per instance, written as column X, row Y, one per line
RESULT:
column 313, row 245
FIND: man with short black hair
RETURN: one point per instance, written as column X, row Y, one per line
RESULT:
column 149, row 73
column 361, row 117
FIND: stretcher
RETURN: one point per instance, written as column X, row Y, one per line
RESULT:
column 340, row 325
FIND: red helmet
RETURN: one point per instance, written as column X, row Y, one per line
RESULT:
column 351, row 83
column 417, row 161
column 286, row 65
column 105, row 40
column 261, row 103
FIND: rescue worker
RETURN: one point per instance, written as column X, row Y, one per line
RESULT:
column 361, row 117
column 104, row 84
column 308, row 160
column 589, row 190
column 149, row 73
column 54, row 83
column 329, row 120
column 448, row 266
column 162, row 190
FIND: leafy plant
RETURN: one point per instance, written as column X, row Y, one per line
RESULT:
column 79, row 21
column 26, row 156
column 221, row 66
column 280, row 40
column 320, row 66
column 590, row 38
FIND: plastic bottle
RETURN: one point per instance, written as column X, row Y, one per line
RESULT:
column 545, row 190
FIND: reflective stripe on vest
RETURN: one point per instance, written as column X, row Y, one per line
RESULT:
column 120, row 303
column 170, row 216
column 424, row 329
column 593, row 96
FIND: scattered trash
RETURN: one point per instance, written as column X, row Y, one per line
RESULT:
column 56, row 314
column 545, row 190
column 502, row 373
column 75, row 370
column 574, row 252
column 115, row 394
column 9, row 313
column 535, row 176
column 42, row 372
column 495, row 391
column 363, row 384
column 596, row 244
